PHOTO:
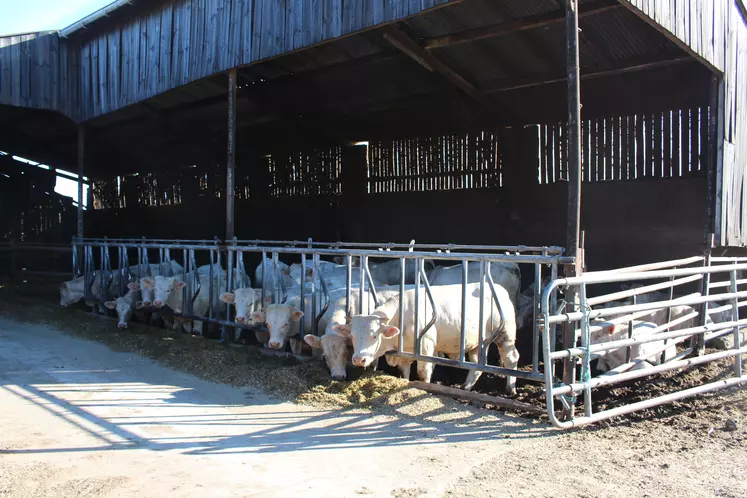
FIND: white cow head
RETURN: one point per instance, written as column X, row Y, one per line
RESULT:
column 124, row 305
column 367, row 332
column 147, row 286
column 245, row 301
column 164, row 288
column 71, row 291
column 335, row 350
column 282, row 323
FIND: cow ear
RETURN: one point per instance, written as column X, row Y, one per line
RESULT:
column 343, row 330
column 139, row 305
column 228, row 297
column 258, row 317
column 296, row 315
column 389, row 331
column 268, row 299
column 148, row 283
column 110, row 304
column 133, row 286
column 611, row 329
column 313, row 341
column 179, row 284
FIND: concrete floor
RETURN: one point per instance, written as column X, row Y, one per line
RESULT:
column 80, row 419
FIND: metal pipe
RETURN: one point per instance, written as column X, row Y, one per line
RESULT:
column 481, row 360
column 349, row 286
column 91, row 18
column 416, row 318
column 622, row 343
column 463, row 325
column 641, row 290
column 645, row 372
column 735, row 318
column 585, row 342
column 362, row 286
column 231, row 159
column 651, row 266
column 552, row 250
column 303, row 294
column 401, row 338
column 726, row 283
column 535, row 329
column 688, row 301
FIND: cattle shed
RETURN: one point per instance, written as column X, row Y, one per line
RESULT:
column 390, row 120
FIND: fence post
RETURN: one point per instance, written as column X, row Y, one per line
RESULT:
column 81, row 162
column 573, row 234
column 698, row 341
column 231, row 162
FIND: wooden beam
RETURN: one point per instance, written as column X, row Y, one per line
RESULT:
column 410, row 47
column 519, row 84
column 514, row 26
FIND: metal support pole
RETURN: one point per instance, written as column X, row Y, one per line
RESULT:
column 81, row 162
column 573, row 231
column 231, row 160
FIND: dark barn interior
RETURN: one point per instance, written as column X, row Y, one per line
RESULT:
column 448, row 126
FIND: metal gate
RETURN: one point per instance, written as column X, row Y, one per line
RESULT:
column 680, row 326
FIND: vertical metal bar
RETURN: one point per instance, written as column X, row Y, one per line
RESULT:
column 481, row 360
column 573, row 231
column 416, row 321
column 463, row 325
column 361, row 274
column 275, row 290
column 314, row 293
column 211, row 276
column 535, row 305
column 402, row 267
column 231, row 159
column 735, row 317
column 553, row 310
column 698, row 341
column 264, row 277
column 586, row 341
column 81, row 163
column 349, row 285
column 303, row 293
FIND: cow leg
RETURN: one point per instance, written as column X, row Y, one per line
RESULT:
column 425, row 368
column 474, row 375
column 509, row 359
column 196, row 327
column 404, row 368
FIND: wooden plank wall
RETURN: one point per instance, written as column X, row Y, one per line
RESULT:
column 667, row 144
column 181, row 41
column 446, row 162
column 716, row 31
column 173, row 43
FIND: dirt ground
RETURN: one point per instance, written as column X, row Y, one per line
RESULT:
column 91, row 411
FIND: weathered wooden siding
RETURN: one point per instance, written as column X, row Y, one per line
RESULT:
column 716, row 31
column 174, row 43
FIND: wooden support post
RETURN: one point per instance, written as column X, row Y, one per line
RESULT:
column 231, row 161
column 81, row 163
column 573, row 233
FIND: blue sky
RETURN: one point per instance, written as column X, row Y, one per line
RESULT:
column 24, row 16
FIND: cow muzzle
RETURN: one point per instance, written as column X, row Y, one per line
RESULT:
column 240, row 319
column 275, row 344
column 122, row 325
column 158, row 303
column 361, row 361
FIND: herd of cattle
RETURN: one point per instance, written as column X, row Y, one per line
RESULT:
column 362, row 339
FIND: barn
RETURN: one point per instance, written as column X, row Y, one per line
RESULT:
column 614, row 129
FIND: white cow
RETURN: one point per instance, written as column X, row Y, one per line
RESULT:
column 245, row 301
column 125, row 305
column 609, row 360
column 168, row 292
column 264, row 278
column 337, row 349
column 374, row 335
column 506, row 275
column 390, row 272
